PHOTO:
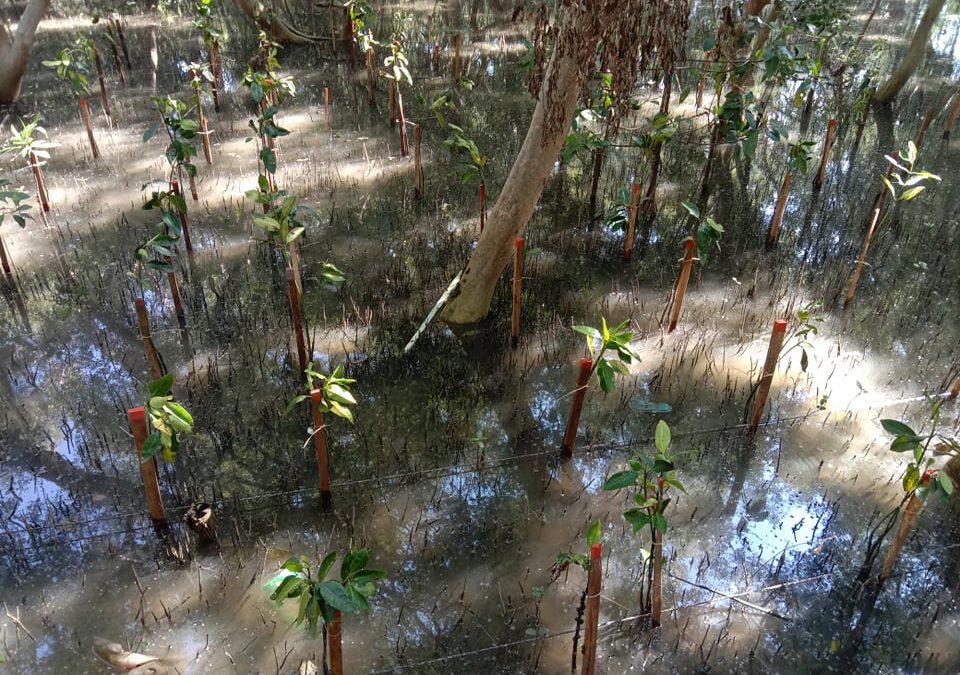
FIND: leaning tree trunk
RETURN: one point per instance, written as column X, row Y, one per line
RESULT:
column 15, row 49
column 528, row 176
column 276, row 28
column 918, row 45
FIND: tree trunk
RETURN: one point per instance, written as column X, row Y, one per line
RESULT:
column 15, row 50
column 528, row 176
column 279, row 30
column 918, row 45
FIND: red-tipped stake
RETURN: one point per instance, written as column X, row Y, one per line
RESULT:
column 855, row 277
column 955, row 391
column 689, row 248
column 320, row 442
column 41, row 183
column 517, row 277
column 576, row 407
column 392, row 94
column 631, row 221
column 907, row 520
column 952, row 115
column 175, row 187
column 592, row 623
column 780, row 208
column 297, row 319
column 148, row 470
column 143, row 323
column 175, row 294
column 825, row 157
column 656, row 581
column 85, row 116
column 335, row 643
column 104, row 99
column 769, row 367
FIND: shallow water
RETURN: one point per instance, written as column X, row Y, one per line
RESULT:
column 451, row 475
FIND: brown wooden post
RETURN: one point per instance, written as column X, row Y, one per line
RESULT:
column 656, row 580
column 143, row 324
column 924, row 125
column 103, row 81
column 402, row 121
column 631, row 221
column 780, row 208
column 202, row 117
column 855, row 277
column 952, row 115
column 297, row 319
column 417, row 167
column 392, row 93
column 370, row 76
column 348, row 38
column 595, row 182
column 335, row 643
column 5, row 263
column 576, row 407
column 907, row 520
column 955, row 390
column 592, row 622
column 517, row 279
column 184, row 227
column 148, row 470
column 123, row 43
column 85, row 116
column 320, row 442
column 825, row 156
column 175, row 294
column 216, row 67
column 689, row 248
column 483, row 205
column 769, row 368
column 326, row 108
column 457, row 66
column 41, row 183
column 117, row 63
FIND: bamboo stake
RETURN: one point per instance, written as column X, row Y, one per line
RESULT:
column 825, row 157
column 85, row 116
column 656, row 582
column 417, row 167
column 320, row 443
column 781, row 206
column 855, row 277
column 148, row 470
column 202, row 117
column 955, row 391
column 595, row 182
column 295, row 312
column 483, row 205
column 370, row 77
column 326, row 108
column 335, row 643
column 907, row 520
column 457, row 66
column 391, row 94
column 175, row 294
column 118, row 64
column 769, row 368
column 123, row 42
column 216, row 67
column 591, row 625
column 402, row 121
column 184, row 227
column 924, row 125
column 576, row 407
column 631, row 221
column 143, row 323
column 689, row 248
column 41, row 183
column 517, row 278
column 952, row 115
column 5, row 263
column 104, row 99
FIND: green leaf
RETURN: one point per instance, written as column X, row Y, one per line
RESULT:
column 269, row 158
column 911, row 478
column 353, row 562
column 179, row 418
column 151, row 131
column 151, row 446
column 294, row 564
column 692, row 208
column 339, row 394
column 910, row 193
column 335, row 595
column 662, row 436
column 594, row 534
column 606, row 376
column 659, row 522
column 897, row 428
column 638, row 518
column 161, row 386
column 945, row 484
column 621, row 479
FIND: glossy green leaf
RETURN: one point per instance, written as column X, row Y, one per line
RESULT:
column 662, row 436
column 621, row 479
column 594, row 534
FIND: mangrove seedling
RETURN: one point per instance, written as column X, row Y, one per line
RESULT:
column 30, row 143
column 473, row 163
column 654, row 476
column 396, row 70
column 708, row 231
column 335, row 396
column 561, row 566
column 213, row 37
column 12, row 204
column 72, row 66
column 615, row 340
column 168, row 419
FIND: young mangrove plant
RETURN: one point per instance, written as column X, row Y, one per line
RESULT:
column 168, row 419
column 157, row 252
column 615, row 341
column 335, row 396
column 561, row 567
column 798, row 159
column 708, row 231
column 473, row 164
column 13, row 205
column 72, row 66
column 30, row 143
column 213, row 38
column 396, row 70
column 320, row 601
column 654, row 477
column 181, row 131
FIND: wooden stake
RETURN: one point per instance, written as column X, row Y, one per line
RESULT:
column 297, row 319
column 592, row 622
column 104, row 99
column 924, row 125
column 457, row 66
column 5, row 263
column 118, row 64
column 631, row 221
column 689, row 248
column 41, row 183
column 825, row 156
column 855, row 277
column 483, row 205
column 326, row 108
column 576, row 407
column 85, row 116
column 952, row 115
column 595, row 182
column 370, row 76
column 123, row 43
column 320, row 442
column 781, row 206
column 148, row 470
column 175, row 294
column 391, row 93
column 202, row 117
column 517, row 277
column 335, row 643
column 769, row 368
column 184, row 227
column 417, row 167
column 907, row 520
column 656, row 581
column 402, row 121
column 143, row 324
column 216, row 67
column 955, row 391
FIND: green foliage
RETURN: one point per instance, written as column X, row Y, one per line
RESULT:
column 584, row 137
column 74, row 66
column 561, row 564
column 335, row 396
column 708, row 231
column 737, row 122
column 317, row 597
column 181, row 130
column 473, row 161
column 907, row 183
column 799, row 152
column 919, row 477
column 662, row 129
column 23, row 143
column 155, row 253
column 209, row 31
column 362, row 16
column 396, row 64
column 168, row 419
column 618, row 217
column 616, row 340
column 13, row 204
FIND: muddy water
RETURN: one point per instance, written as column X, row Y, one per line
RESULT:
column 450, row 475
